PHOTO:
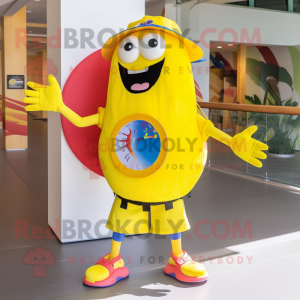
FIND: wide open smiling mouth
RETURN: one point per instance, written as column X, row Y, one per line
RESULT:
column 142, row 80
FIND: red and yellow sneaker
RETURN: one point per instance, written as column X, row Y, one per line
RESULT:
column 106, row 272
column 184, row 269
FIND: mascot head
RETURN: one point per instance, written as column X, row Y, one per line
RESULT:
column 150, row 60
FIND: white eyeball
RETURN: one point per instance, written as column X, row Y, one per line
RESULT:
column 152, row 46
column 129, row 49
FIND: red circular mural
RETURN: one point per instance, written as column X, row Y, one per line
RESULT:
column 84, row 92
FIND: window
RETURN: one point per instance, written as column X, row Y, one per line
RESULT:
column 273, row 4
column 296, row 5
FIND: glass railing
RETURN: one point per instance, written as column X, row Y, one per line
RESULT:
column 280, row 132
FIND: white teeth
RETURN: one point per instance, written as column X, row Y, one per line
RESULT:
column 137, row 72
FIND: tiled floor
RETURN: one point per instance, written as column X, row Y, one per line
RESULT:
column 284, row 170
column 269, row 211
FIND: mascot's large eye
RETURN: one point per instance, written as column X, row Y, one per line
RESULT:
column 152, row 46
column 129, row 49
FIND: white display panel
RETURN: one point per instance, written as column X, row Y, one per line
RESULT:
column 77, row 198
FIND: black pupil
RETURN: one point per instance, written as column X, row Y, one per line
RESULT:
column 128, row 46
column 152, row 43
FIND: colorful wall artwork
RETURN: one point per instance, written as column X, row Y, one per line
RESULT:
column 272, row 73
column 272, row 78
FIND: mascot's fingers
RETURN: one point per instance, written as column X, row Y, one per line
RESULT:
column 52, row 80
column 31, row 100
column 255, row 162
column 30, row 93
column 31, row 85
column 35, row 86
column 259, row 154
column 261, row 146
column 251, row 130
column 32, row 108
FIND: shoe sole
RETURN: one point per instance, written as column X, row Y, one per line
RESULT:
column 111, row 280
column 172, row 271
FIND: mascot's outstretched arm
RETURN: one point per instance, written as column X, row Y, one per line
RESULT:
column 242, row 144
column 49, row 98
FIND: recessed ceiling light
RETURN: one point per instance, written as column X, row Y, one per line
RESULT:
column 219, row 47
column 30, row 31
column 29, row 11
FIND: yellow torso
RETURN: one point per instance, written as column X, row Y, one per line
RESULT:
column 172, row 103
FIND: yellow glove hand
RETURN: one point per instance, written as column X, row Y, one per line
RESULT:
column 247, row 148
column 44, row 97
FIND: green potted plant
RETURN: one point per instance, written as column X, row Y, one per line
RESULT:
column 274, row 129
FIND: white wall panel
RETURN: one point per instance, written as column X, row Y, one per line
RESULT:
column 73, row 195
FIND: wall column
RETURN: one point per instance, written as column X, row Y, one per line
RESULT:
column 0, row 89
column 241, row 73
column 73, row 195
column 43, row 114
column 14, row 59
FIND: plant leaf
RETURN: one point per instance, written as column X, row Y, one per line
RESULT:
column 257, row 100
column 269, row 135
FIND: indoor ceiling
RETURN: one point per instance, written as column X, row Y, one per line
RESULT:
column 37, row 13
column 37, row 10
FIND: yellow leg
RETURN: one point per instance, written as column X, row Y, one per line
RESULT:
column 176, row 247
column 115, row 249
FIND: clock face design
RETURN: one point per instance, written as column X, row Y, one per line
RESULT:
column 139, row 145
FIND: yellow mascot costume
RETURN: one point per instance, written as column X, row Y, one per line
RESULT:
column 152, row 141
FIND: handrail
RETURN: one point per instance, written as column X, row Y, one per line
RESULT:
column 269, row 109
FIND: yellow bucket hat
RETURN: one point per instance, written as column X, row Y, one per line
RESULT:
column 158, row 23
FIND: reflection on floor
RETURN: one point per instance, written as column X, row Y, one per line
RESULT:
column 270, row 268
column 284, row 170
